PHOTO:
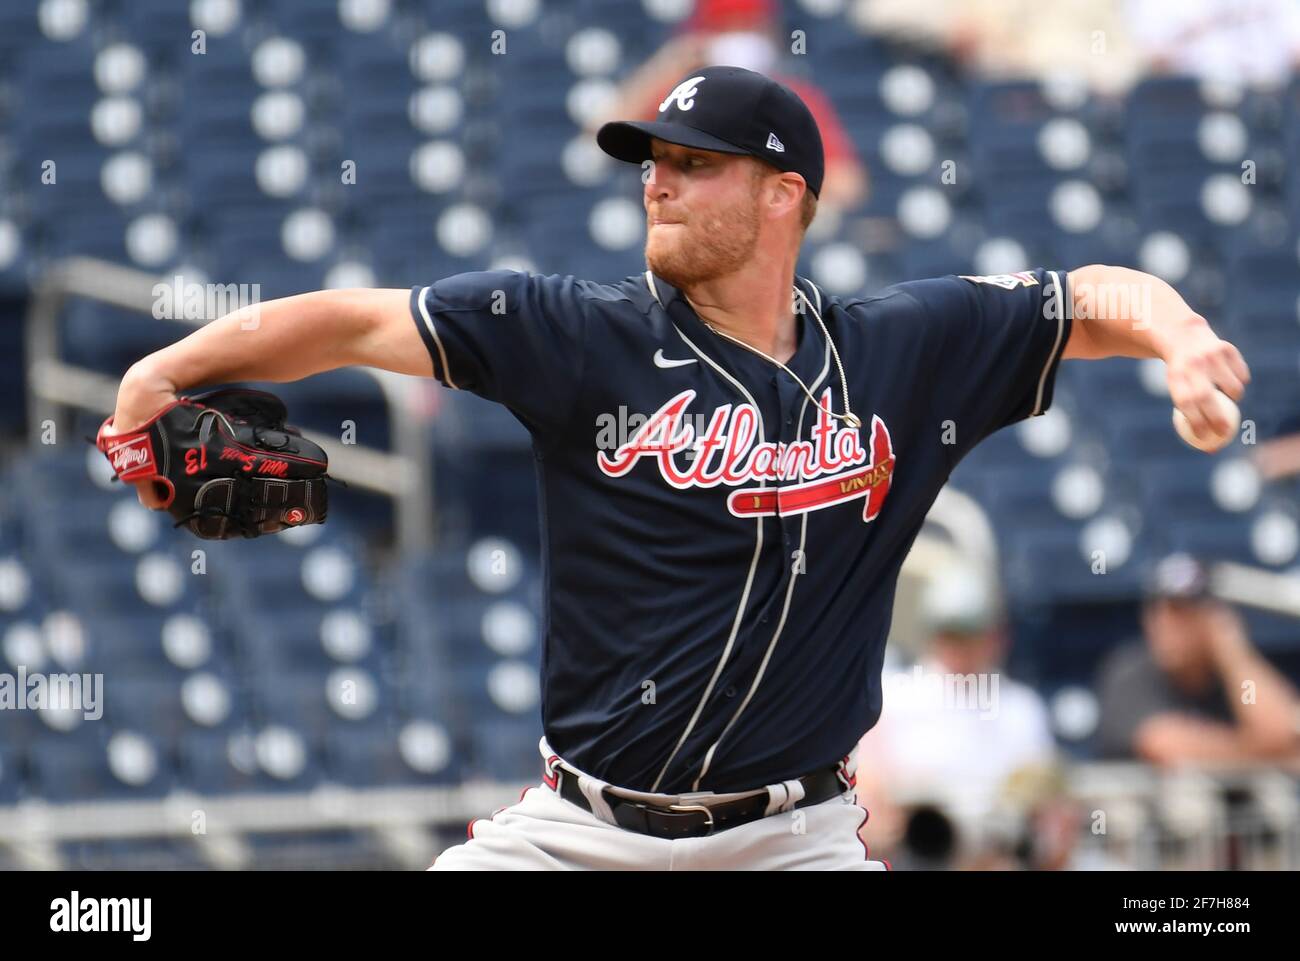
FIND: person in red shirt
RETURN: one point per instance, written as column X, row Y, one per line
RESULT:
column 744, row 33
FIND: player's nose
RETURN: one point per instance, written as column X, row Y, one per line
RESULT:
column 659, row 184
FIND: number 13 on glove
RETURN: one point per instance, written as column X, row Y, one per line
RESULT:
column 229, row 464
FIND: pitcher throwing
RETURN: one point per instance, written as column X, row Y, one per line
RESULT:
column 720, row 575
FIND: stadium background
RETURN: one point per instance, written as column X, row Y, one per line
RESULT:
column 351, row 695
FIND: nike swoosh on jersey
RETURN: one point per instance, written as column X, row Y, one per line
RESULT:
column 662, row 361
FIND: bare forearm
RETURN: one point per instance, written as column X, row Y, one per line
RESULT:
column 1262, row 700
column 280, row 340
column 1170, row 739
column 1119, row 312
column 1127, row 313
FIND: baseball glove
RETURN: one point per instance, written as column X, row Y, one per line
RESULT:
column 227, row 462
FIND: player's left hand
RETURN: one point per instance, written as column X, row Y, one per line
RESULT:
column 1197, row 363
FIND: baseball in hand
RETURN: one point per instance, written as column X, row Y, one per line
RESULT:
column 1210, row 442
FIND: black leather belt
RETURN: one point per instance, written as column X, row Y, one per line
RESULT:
column 695, row 821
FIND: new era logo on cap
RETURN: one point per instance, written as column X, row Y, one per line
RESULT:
column 774, row 143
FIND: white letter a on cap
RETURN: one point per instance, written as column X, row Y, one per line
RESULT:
column 684, row 93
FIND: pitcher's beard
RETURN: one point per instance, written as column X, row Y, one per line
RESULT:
column 727, row 245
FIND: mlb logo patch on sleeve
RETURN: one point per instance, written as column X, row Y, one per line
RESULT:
column 1023, row 278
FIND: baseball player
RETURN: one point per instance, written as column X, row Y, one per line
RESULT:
column 720, row 575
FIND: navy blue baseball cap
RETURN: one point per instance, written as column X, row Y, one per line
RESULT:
column 728, row 110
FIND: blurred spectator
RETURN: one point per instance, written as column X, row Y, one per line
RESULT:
column 1279, row 457
column 953, row 732
column 1196, row 690
column 1089, row 39
column 742, row 33
column 1236, row 41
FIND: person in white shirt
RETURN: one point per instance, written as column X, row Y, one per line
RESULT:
column 954, row 727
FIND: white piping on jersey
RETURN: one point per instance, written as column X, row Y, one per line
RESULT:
column 789, row 591
column 753, row 564
column 428, row 322
column 749, row 581
column 848, row 416
column 1060, row 331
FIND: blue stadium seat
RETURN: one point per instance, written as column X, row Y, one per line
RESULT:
column 506, row 750
column 156, row 21
column 1180, row 488
column 289, row 639
column 1148, row 436
column 1224, row 538
column 427, row 692
column 131, row 643
column 12, row 775
column 272, row 579
column 1272, row 633
column 1048, row 565
column 300, row 700
column 81, row 529
column 222, row 763
column 370, row 757
column 50, row 477
column 91, row 585
column 224, row 172
column 147, row 702
column 327, row 402
column 1015, row 497
column 108, row 339
column 72, row 769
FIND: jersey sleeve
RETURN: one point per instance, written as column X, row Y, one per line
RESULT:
column 992, row 345
column 509, row 336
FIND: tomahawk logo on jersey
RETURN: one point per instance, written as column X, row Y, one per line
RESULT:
column 720, row 550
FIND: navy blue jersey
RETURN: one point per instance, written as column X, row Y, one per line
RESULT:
column 720, row 556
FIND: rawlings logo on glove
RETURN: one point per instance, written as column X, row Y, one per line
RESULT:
column 228, row 463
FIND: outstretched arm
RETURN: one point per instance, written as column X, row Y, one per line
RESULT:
column 1118, row 312
column 280, row 340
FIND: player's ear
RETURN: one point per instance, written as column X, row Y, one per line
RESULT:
column 787, row 195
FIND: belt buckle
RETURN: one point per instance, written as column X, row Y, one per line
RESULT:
column 688, row 802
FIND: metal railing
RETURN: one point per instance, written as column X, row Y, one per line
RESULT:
column 1154, row 820
column 406, row 821
column 54, row 386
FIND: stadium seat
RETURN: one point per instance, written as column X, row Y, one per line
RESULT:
column 11, row 773
column 371, row 756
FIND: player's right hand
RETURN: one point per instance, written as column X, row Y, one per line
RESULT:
column 141, row 395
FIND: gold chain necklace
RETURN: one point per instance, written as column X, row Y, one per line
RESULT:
column 848, row 416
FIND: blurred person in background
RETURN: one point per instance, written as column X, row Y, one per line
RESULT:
column 1088, row 39
column 934, row 756
column 743, row 33
column 1254, row 42
column 1195, row 690
column 1278, row 458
